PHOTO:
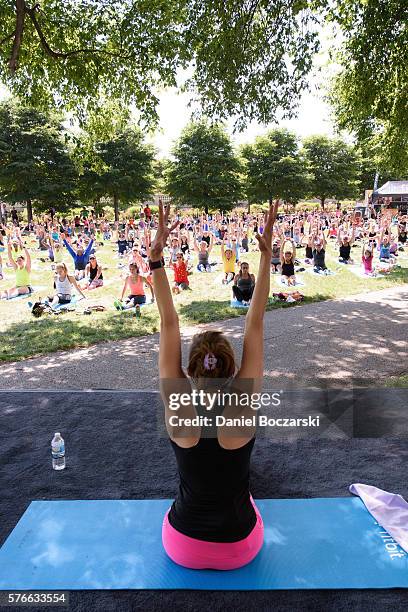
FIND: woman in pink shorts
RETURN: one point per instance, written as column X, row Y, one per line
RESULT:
column 213, row 523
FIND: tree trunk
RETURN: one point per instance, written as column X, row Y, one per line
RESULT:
column 249, row 208
column 206, row 209
column 116, row 206
column 270, row 201
column 29, row 211
column 322, row 200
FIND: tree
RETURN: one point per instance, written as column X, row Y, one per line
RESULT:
column 333, row 166
column 205, row 169
column 121, row 168
column 275, row 168
column 369, row 95
column 35, row 163
column 248, row 58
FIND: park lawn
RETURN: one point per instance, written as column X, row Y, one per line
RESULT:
column 400, row 381
column 23, row 336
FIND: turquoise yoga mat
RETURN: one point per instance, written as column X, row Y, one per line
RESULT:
column 116, row 544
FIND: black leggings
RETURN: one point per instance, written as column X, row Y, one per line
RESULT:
column 136, row 299
column 242, row 294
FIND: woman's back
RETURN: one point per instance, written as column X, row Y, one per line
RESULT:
column 213, row 501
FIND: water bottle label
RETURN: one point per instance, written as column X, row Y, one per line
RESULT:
column 60, row 448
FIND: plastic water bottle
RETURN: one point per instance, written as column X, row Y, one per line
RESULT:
column 58, row 452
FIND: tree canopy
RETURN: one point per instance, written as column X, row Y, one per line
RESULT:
column 333, row 167
column 205, row 169
column 275, row 168
column 35, row 162
column 121, row 167
column 247, row 58
column 370, row 92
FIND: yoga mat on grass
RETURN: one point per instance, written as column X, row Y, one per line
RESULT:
column 148, row 302
column 237, row 304
column 358, row 271
column 26, row 295
column 116, row 544
column 72, row 304
column 298, row 283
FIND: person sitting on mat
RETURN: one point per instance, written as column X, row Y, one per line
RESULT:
column 275, row 258
column 80, row 257
column 402, row 236
column 345, row 243
column 22, row 268
column 228, row 261
column 244, row 285
column 385, row 248
column 213, row 522
column 367, row 258
column 287, row 259
column 134, row 285
column 180, row 274
column 203, row 251
column 319, row 255
column 308, row 243
column 94, row 274
column 63, row 283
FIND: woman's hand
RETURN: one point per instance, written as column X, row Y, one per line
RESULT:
column 265, row 241
column 162, row 233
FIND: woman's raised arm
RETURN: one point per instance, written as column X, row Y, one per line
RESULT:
column 252, row 354
column 170, row 342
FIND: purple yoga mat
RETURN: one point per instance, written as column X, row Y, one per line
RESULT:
column 389, row 510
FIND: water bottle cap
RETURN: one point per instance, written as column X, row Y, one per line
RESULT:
column 57, row 433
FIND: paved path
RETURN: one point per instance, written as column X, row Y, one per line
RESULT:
column 339, row 342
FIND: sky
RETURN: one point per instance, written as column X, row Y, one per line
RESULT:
column 313, row 118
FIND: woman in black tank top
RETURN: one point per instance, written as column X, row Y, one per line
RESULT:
column 244, row 284
column 213, row 504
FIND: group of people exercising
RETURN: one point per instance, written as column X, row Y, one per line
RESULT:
column 195, row 238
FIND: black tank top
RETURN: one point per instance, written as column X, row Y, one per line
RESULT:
column 288, row 269
column 213, row 501
column 244, row 283
column 345, row 250
column 93, row 272
column 309, row 252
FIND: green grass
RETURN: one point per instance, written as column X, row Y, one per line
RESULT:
column 22, row 336
column 400, row 381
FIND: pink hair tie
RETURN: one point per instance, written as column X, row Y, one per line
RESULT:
column 210, row 362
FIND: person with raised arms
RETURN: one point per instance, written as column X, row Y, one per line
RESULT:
column 203, row 251
column 213, row 522
column 22, row 268
column 80, row 257
column 287, row 259
column 228, row 261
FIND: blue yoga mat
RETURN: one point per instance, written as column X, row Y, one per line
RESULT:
column 72, row 304
column 116, row 544
column 237, row 304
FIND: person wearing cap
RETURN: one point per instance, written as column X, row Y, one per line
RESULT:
column 93, row 273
